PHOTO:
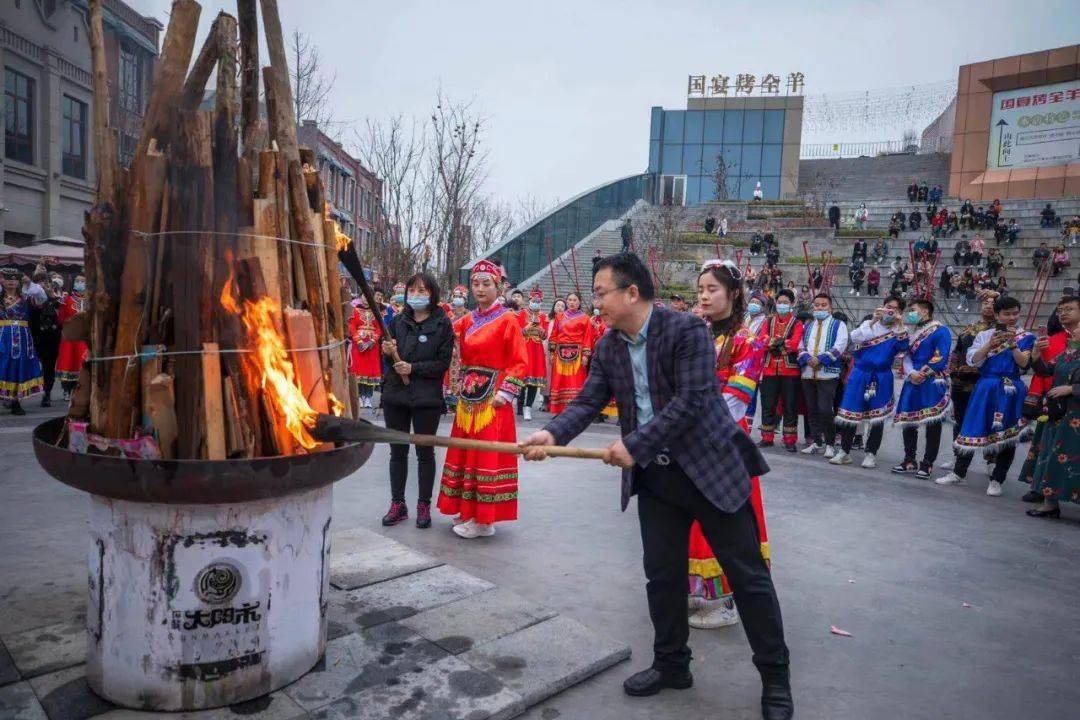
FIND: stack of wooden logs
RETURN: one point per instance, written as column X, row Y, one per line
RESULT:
column 208, row 205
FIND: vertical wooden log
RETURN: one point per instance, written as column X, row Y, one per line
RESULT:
column 247, row 15
column 191, row 208
column 266, row 248
column 339, row 367
column 195, row 84
column 270, row 90
column 285, row 132
column 245, row 193
column 104, row 139
column 272, row 187
column 305, row 233
column 151, row 368
column 239, row 428
column 301, row 333
column 213, row 403
column 143, row 217
column 159, row 118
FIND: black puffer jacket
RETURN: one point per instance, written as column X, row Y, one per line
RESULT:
column 428, row 346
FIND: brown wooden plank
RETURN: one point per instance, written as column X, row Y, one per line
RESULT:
column 213, row 403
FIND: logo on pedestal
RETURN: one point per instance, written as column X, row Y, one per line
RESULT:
column 217, row 583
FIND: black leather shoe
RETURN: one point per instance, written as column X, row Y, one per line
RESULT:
column 776, row 702
column 652, row 681
column 1032, row 497
column 764, row 443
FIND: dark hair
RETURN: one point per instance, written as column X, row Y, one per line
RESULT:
column 555, row 302
column 1006, row 302
column 737, row 293
column 430, row 284
column 1068, row 299
column 786, row 292
column 893, row 298
column 923, row 303
column 823, row 295
column 627, row 269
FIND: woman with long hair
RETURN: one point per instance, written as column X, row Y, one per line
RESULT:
column 740, row 357
column 20, row 369
column 572, row 336
column 480, row 487
column 412, row 398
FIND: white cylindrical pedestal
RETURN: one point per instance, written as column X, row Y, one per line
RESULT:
column 198, row 606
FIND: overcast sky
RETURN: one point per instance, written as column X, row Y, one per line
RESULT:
column 567, row 85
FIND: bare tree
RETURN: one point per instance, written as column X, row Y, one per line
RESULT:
column 311, row 86
column 820, row 192
column 530, row 208
column 720, row 176
column 460, row 168
column 490, row 220
column 660, row 232
column 396, row 151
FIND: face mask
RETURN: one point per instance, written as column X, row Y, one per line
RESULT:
column 888, row 317
column 419, row 302
column 458, row 302
column 79, row 287
column 534, row 306
column 783, row 309
column 596, row 311
column 753, row 308
column 821, row 314
column 397, row 299
column 912, row 318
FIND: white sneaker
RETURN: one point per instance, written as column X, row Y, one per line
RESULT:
column 458, row 521
column 527, row 414
column 994, row 489
column 949, row 479
column 811, row 449
column 716, row 614
column 870, row 461
column 830, row 452
column 947, row 465
column 840, row 458
column 472, row 529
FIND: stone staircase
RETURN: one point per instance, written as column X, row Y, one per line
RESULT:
column 886, row 176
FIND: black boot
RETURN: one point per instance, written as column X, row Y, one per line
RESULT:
column 776, row 702
column 652, row 681
column 17, row 408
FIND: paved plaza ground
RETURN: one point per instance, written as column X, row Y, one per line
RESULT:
column 959, row 605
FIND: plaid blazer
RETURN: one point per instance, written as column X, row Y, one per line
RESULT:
column 690, row 418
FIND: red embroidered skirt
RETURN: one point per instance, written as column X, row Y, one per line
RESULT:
column 478, row 484
column 366, row 365
column 568, row 373
column 69, row 360
column 706, row 577
column 535, row 364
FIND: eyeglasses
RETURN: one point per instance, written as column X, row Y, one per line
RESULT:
column 604, row 293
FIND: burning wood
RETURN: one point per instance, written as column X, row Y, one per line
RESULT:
column 217, row 272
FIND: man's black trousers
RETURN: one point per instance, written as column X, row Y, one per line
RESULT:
column 668, row 503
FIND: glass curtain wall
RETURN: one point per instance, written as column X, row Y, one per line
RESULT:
column 689, row 142
column 528, row 252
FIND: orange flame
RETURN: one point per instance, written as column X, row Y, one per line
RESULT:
column 271, row 361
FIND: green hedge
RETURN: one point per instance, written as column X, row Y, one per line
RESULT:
column 867, row 233
column 701, row 238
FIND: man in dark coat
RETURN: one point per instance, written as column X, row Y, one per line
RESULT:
column 685, row 459
column 912, row 192
column 834, row 216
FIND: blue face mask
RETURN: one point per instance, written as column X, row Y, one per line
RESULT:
column 397, row 299
column 821, row 314
column 912, row 318
column 534, row 306
column 419, row 302
column 80, row 287
column 458, row 302
column 783, row 309
column 753, row 308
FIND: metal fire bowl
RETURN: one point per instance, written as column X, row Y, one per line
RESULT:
column 193, row 482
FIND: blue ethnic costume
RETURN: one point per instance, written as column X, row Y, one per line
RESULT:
column 868, row 392
column 20, row 369
column 929, row 401
column 993, row 418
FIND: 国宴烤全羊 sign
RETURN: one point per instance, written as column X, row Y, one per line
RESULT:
column 1035, row 126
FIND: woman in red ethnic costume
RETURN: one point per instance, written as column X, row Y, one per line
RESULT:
column 571, row 340
column 599, row 328
column 365, row 363
column 534, row 328
column 481, row 487
column 72, row 353
column 740, row 357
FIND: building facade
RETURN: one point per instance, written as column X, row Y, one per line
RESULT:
column 48, row 173
column 747, row 139
column 1017, row 127
column 354, row 192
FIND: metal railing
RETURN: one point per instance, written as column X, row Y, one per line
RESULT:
column 814, row 151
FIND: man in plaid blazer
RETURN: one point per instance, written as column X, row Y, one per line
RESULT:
column 685, row 459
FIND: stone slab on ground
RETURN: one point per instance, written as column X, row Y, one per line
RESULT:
column 473, row 621
column 361, row 660
column 65, row 695
column 45, row 649
column 17, row 702
column 399, row 598
column 275, row 706
column 360, row 557
column 24, row 608
column 449, row 689
column 546, row 658
column 8, row 673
